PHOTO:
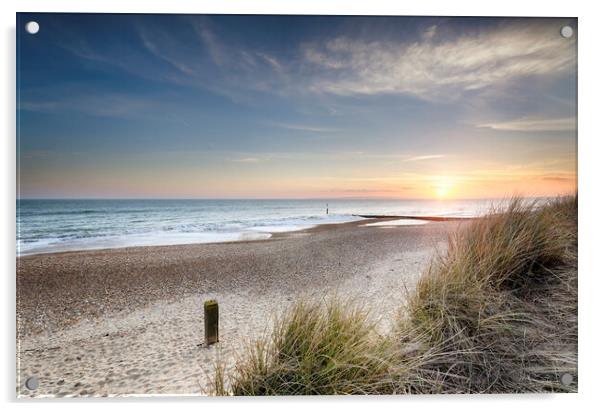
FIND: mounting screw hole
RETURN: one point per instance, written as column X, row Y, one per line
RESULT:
column 566, row 379
column 32, row 383
column 32, row 27
column 566, row 32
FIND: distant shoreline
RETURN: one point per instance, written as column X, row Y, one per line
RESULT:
column 250, row 236
column 406, row 217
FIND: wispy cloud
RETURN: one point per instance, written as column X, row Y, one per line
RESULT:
column 427, row 157
column 98, row 104
column 560, row 179
column 430, row 32
column 365, row 192
column 249, row 160
column 303, row 127
column 47, row 154
column 534, row 124
column 359, row 190
column 443, row 69
column 210, row 40
column 159, row 52
column 273, row 61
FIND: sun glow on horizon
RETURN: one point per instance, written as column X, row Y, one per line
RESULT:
column 443, row 186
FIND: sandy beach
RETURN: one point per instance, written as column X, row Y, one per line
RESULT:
column 130, row 321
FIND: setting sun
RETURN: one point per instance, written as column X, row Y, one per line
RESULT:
column 442, row 187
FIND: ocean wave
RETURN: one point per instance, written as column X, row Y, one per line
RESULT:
column 76, row 224
column 52, row 245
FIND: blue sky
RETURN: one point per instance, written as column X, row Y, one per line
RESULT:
column 295, row 106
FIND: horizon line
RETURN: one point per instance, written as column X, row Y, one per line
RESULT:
column 286, row 198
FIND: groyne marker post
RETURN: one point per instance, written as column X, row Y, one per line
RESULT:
column 211, row 322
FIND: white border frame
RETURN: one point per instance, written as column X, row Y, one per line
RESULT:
column 589, row 169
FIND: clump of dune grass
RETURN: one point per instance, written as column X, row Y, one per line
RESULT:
column 497, row 313
column 499, row 308
column 316, row 348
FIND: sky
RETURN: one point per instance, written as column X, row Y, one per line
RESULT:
column 213, row 106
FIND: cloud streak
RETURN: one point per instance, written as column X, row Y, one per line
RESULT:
column 534, row 124
column 99, row 104
column 251, row 160
column 439, row 69
column 303, row 127
column 427, row 157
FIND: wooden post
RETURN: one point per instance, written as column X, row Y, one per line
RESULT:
column 211, row 322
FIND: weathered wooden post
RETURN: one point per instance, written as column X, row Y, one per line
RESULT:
column 211, row 322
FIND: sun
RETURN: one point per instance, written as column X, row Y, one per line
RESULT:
column 441, row 191
column 442, row 187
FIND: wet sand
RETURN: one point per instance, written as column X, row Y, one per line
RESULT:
column 130, row 321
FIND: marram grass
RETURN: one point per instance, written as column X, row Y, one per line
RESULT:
column 316, row 348
column 497, row 313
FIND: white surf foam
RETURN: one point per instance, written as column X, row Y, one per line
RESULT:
column 393, row 223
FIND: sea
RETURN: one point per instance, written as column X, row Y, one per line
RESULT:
column 45, row 226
